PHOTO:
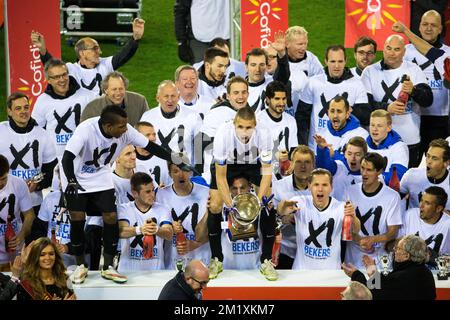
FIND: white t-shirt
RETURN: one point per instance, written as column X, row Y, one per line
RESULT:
column 376, row 80
column 228, row 149
column 210, row 19
column 94, row 154
column 437, row 235
column 284, row 190
column 257, row 94
column 14, row 198
column 132, row 253
column 176, row 133
column 156, row 168
column 318, row 234
column 396, row 153
column 320, row 92
column 91, row 79
column 60, row 117
column 190, row 210
column 415, row 181
column 56, row 216
column 26, row 153
column 201, row 105
column 123, row 189
column 342, row 180
column 300, row 72
column 376, row 213
column 440, row 104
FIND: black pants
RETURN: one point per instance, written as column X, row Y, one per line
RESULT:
column 284, row 262
column 415, row 156
column 432, row 127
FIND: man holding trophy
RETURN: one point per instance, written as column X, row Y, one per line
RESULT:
column 240, row 147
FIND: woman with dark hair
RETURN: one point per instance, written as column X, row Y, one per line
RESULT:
column 43, row 276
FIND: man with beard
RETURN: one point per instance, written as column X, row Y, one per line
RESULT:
column 365, row 50
column 415, row 180
column 377, row 207
column 282, row 125
column 212, row 74
column 342, row 125
column 430, row 222
column 313, row 106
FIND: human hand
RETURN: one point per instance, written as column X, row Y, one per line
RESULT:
column 31, row 186
column 349, row 209
column 407, row 86
column 349, row 269
column 69, row 296
column 185, row 52
column 138, row 28
column 16, row 267
column 398, row 27
column 322, row 142
column 177, row 227
column 369, row 264
column 396, row 107
column 287, row 207
column 37, row 39
column 366, row 243
column 72, row 188
column 279, row 43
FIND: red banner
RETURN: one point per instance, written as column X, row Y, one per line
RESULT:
column 447, row 25
column 373, row 18
column 25, row 69
column 260, row 19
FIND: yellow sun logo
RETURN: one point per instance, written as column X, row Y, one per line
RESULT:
column 262, row 8
column 374, row 12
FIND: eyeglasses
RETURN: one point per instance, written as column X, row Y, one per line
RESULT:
column 94, row 48
column 58, row 76
column 365, row 53
column 201, row 283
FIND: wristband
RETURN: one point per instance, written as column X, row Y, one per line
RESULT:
column 15, row 279
column 138, row 230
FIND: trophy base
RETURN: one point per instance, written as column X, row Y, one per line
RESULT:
column 442, row 277
column 242, row 234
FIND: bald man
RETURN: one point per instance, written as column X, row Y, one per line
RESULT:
column 383, row 82
column 434, row 120
column 187, row 285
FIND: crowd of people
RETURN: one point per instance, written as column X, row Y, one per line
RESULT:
column 128, row 188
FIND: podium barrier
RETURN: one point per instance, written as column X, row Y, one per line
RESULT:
column 231, row 284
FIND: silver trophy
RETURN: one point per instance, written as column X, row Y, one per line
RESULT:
column 37, row 178
column 441, row 262
column 385, row 261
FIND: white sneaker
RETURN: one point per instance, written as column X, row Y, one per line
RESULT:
column 79, row 275
column 268, row 270
column 114, row 275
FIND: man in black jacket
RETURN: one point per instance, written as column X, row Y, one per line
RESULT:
column 410, row 279
column 187, row 285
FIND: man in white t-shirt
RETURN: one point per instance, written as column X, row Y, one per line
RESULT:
column 186, row 201
column 86, row 162
column 90, row 68
column 435, row 173
column 377, row 208
column 385, row 80
column 365, row 50
column 28, row 147
column 59, row 108
column 430, row 222
column 241, row 147
column 147, row 162
column 319, row 223
column 186, row 80
column 143, row 226
column 15, row 202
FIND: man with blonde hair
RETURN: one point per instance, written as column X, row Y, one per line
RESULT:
column 387, row 142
